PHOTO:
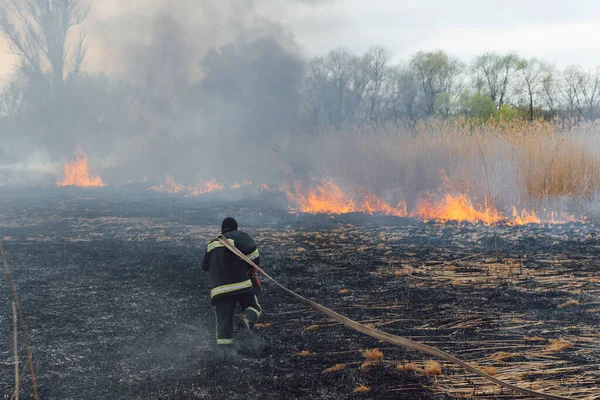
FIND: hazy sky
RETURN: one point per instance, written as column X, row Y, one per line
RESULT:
column 558, row 31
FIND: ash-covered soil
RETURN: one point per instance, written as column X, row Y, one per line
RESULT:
column 117, row 306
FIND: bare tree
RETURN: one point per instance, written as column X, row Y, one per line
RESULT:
column 314, row 91
column 13, row 99
column 591, row 92
column 570, row 89
column 38, row 32
column 493, row 74
column 376, row 61
column 437, row 73
column 358, row 86
column 534, row 77
column 401, row 94
column 549, row 92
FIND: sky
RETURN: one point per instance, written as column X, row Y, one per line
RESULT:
column 560, row 32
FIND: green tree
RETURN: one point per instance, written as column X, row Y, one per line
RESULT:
column 506, row 112
column 476, row 105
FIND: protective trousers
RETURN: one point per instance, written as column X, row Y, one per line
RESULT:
column 225, row 308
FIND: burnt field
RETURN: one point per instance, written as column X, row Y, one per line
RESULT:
column 117, row 306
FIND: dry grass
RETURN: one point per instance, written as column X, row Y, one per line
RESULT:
column 373, row 355
column 534, row 339
column 488, row 370
column 569, row 303
column 335, row 368
column 433, row 368
column 362, row 389
column 305, row 353
column 312, row 328
column 263, row 326
column 406, row 271
column 367, row 366
column 410, row 367
column 343, row 291
column 558, row 345
column 502, row 356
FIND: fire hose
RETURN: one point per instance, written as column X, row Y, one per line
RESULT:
column 397, row 340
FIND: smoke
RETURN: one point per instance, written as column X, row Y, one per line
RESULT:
column 170, row 88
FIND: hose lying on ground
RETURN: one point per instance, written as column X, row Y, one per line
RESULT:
column 397, row 340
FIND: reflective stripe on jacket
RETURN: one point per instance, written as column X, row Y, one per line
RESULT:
column 228, row 273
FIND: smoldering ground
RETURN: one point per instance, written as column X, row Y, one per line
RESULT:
column 117, row 306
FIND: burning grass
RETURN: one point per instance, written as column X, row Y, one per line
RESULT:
column 519, row 171
column 76, row 172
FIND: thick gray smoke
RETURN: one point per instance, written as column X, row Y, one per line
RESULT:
column 182, row 88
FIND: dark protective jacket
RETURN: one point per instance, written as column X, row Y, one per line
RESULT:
column 229, row 274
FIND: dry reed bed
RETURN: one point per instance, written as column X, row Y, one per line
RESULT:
column 541, row 164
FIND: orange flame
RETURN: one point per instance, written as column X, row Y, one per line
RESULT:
column 329, row 198
column 455, row 208
column 171, row 186
column 77, row 173
column 526, row 217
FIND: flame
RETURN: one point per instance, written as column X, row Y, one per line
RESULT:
column 327, row 197
column 77, row 173
column 456, row 208
column 240, row 185
column 171, row 186
column 526, row 217
column 562, row 218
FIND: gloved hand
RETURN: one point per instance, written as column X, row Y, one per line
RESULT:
column 255, row 282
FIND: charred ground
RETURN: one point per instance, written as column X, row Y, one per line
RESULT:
column 117, row 306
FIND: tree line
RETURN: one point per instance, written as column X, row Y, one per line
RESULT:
column 343, row 87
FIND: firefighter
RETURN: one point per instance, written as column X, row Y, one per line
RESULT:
column 232, row 281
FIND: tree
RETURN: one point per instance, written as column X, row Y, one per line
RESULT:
column 571, row 82
column 580, row 91
column 506, row 113
column 401, row 93
column 476, row 105
column 314, row 91
column 534, row 76
column 38, row 32
column 436, row 72
column 493, row 75
column 549, row 92
column 338, row 67
column 376, row 62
